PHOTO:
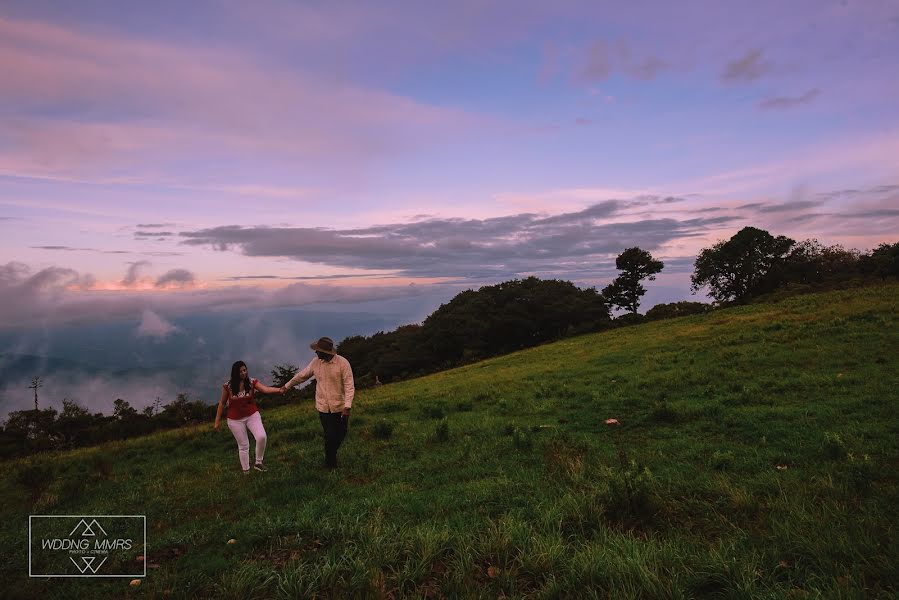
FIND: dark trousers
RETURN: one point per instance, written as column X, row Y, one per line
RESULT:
column 335, row 428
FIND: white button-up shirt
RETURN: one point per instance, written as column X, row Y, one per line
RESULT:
column 334, row 388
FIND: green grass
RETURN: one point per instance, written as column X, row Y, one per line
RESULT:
column 756, row 458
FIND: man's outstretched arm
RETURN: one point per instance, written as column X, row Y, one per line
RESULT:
column 299, row 377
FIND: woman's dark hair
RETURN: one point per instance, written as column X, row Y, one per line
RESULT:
column 235, row 378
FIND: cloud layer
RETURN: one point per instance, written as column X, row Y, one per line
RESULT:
column 470, row 248
column 162, row 104
column 56, row 296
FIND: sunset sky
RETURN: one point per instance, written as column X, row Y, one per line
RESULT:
column 158, row 158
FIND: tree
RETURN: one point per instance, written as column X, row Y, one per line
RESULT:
column 33, row 429
column 676, row 309
column 122, row 410
column 75, row 423
column 281, row 374
column 736, row 269
column 626, row 290
column 883, row 261
column 36, row 383
column 182, row 410
column 810, row 263
column 510, row 316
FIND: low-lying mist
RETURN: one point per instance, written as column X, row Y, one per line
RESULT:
column 155, row 357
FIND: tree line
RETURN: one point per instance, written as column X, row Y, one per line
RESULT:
column 42, row 429
column 753, row 265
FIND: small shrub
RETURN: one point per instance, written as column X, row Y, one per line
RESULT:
column 721, row 460
column 834, row 446
column 434, row 411
column 35, row 478
column 861, row 473
column 464, row 406
column 100, row 466
column 521, row 439
column 483, row 397
column 629, row 498
column 664, row 413
column 74, row 487
column 441, row 432
column 543, row 392
column 382, row 430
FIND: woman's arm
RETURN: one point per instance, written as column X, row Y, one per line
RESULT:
column 218, row 412
column 265, row 389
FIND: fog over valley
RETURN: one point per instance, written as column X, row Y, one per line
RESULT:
column 139, row 361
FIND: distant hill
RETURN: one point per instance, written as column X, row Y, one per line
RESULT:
column 754, row 456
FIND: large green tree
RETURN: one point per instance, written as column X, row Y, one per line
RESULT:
column 475, row 324
column 883, row 261
column 738, row 268
column 626, row 290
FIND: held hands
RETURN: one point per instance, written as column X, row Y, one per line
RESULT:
column 282, row 390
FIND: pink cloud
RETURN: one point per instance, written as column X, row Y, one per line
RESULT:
column 55, row 296
column 182, row 102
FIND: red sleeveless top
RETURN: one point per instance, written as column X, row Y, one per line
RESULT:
column 244, row 404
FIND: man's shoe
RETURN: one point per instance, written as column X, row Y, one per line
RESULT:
column 260, row 467
column 247, row 472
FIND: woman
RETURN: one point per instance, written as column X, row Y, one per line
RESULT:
column 239, row 395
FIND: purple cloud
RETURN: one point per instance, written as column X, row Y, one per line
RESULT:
column 467, row 248
column 785, row 102
column 56, row 296
column 748, row 67
column 133, row 273
column 176, row 278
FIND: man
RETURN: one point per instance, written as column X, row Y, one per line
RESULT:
column 334, row 391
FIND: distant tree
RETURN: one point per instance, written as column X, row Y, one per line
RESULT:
column 36, row 383
column 122, row 410
column 387, row 356
column 183, row 410
column 629, row 318
column 475, row 324
column 34, row 429
column 510, row 316
column 882, row 262
column 734, row 270
column 281, row 374
column 809, row 263
column 626, row 290
column 75, row 424
column 676, row 309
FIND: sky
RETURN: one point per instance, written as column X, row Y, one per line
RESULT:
column 168, row 158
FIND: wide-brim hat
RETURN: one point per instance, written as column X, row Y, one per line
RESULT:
column 325, row 345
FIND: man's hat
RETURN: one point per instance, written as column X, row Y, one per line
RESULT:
column 325, row 345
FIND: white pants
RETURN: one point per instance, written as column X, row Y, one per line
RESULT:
column 239, row 428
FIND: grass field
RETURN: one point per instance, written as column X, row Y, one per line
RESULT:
column 756, row 458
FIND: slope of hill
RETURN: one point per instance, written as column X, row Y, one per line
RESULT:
column 755, row 457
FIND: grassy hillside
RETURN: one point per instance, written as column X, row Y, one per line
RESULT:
column 756, row 457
